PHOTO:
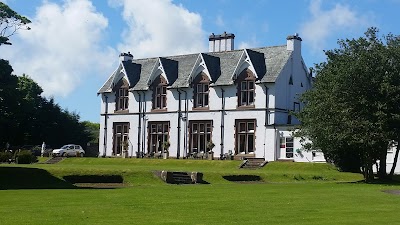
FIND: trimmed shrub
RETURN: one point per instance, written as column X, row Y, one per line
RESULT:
column 5, row 156
column 25, row 157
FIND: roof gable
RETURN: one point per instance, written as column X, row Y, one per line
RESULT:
column 222, row 67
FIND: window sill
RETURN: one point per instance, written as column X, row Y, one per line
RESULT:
column 159, row 110
column 201, row 108
column 246, row 107
column 121, row 111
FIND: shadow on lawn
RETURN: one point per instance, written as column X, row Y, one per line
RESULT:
column 34, row 178
column 395, row 181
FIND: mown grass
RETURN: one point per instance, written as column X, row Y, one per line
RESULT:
column 293, row 193
column 139, row 171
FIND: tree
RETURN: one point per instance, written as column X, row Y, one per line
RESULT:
column 93, row 129
column 352, row 113
column 10, row 22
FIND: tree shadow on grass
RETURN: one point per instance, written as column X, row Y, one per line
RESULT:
column 395, row 181
column 35, row 178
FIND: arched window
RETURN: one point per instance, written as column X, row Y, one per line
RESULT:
column 121, row 95
column 246, row 88
column 159, row 88
column 201, row 91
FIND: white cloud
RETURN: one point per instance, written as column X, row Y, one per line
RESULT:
column 220, row 21
column 160, row 28
column 252, row 43
column 63, row 47
column 325, row 23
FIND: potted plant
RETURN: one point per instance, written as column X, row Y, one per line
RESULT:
column 210, row 146
column 165, row 146
column 125, row 147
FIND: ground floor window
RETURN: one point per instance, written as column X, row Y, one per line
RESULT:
column 200, row 134
column 245, row 136
column 158, row 134
column 286, row 144
column 121, row 134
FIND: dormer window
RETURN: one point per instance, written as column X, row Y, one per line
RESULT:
column 122, row 95
column 159, row 93
column 201, row 91
column 246, row 88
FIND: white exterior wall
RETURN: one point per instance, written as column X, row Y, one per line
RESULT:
column 280, row 99
column 267, row 137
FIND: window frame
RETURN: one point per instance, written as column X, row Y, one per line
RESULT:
column 245, row 94
column 243, row 132
column 158, row 133
column 159, row 101
column 121, row 96
column 120, row 134
column 197, row 135
column 201, row 92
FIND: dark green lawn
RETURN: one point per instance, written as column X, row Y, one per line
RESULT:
column 293, row 193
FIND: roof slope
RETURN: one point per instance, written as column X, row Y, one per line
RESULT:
column 268, row 63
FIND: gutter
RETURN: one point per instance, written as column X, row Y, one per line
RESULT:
column 179, row 125
column 139, row 124
column 143, row 122
column 185, row 138
column 266, row 117
column 222, row 122
column 105, row 126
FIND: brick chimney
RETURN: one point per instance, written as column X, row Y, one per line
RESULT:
column 221, row 42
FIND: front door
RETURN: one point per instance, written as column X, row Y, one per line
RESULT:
column 121, row 133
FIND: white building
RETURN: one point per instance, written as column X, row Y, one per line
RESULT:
column 240, row 100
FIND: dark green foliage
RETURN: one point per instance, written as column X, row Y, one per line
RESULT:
column 28, row 118
column 93, row 129
column 5, row 156
column 353, row 111
column 10, row 22
column 25, row 157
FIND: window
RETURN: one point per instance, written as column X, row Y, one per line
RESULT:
column 158, row 134
column 121, row 95
column 200, row 135
column 245, row 136
column 201, row 90
column 122, row 102
column 287, row 144
column 246, row 88
column 159, row 93
column 121, row 135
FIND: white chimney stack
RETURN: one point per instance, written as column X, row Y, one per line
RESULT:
column 221, row 42
column 125, row 57
column 293, row 43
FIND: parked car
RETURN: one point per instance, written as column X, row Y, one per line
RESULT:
column 69, row 150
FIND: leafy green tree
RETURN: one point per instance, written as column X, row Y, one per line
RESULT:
column 93, row 129
column 10, row 22
column 8, row 102
column 352, row 112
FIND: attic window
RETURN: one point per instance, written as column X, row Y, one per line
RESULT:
column 291, row 80
column 122, row 95
column 246, row 88
column 201, row 90
column 159, row 93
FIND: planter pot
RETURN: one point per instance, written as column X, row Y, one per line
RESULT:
column 165, row 155
column 210, row 155
column 125, row 154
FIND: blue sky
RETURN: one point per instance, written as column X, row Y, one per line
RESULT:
column 73, row 45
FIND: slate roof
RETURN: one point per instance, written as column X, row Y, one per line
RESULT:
column 268, row 63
